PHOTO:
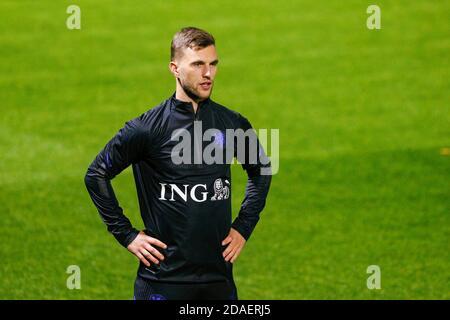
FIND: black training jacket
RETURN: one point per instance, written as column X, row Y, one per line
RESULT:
column 186, row 206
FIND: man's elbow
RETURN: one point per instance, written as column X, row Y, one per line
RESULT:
column 88, row 179
column 92, row 175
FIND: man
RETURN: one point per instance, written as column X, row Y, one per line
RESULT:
column 189, row 243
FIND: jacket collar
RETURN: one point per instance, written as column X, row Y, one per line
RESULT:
column 187, row 106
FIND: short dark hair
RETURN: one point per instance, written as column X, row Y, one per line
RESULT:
column 190, row 37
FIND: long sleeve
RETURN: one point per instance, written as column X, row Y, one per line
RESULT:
column 128, row 146
column 258, row 183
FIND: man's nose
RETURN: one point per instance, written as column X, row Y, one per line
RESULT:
column 207, row 72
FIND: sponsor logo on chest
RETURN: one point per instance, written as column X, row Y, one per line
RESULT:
column 198, row 192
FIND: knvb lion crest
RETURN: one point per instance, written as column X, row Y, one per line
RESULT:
column 221, row 191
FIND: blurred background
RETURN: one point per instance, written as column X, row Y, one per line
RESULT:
column 364, row 140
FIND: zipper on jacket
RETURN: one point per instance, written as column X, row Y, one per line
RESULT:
column 199, row 149
column 196, row 113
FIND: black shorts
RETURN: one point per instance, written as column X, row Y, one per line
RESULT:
column 152, row 290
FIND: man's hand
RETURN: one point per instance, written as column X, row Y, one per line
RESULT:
column 142, row 248
column 235, row 244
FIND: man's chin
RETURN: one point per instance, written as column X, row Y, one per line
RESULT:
column 203, row 95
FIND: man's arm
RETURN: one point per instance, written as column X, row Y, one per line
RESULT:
column 257, row 188
column 128, row 146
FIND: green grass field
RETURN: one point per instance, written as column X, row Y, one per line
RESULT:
column 363, row 115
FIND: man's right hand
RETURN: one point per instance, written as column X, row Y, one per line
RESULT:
column 143, row 248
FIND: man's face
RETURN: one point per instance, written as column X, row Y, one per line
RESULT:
column 196, row 70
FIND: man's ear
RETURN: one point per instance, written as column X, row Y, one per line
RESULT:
column 174, row 68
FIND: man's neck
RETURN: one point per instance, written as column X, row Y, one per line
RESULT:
column 182, row 96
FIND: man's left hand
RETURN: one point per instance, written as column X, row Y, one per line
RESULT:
column 235, row 243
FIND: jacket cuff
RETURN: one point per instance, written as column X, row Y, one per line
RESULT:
column 126, row 238
column 242, row 228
